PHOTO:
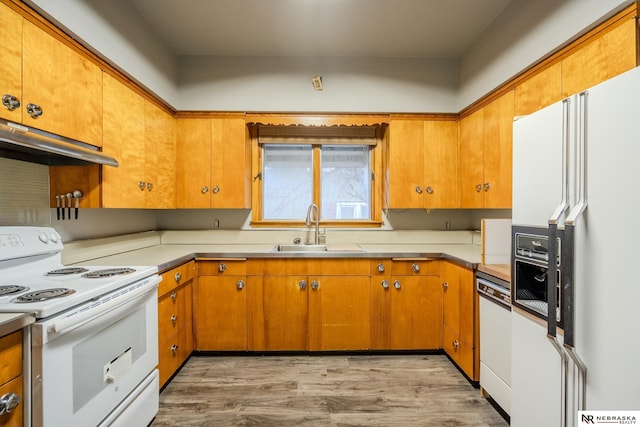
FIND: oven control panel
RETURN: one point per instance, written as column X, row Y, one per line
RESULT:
column 18, row 242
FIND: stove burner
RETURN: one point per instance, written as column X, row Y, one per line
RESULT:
column 11, row 289
column 107, row 273
column 43, row 295
column 66, row 271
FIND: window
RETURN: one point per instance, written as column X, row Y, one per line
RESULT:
column 298, row 169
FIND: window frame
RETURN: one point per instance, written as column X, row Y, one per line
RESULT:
column 375, row 162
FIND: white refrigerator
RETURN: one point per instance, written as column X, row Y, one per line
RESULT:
column 584, row 151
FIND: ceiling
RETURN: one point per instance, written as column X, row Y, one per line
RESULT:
column 340, row 28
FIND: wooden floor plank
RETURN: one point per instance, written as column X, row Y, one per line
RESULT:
column 323, row 390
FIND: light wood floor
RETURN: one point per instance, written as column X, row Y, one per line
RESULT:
column 341, row 390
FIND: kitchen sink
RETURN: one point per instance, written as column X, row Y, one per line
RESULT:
column 300, row 248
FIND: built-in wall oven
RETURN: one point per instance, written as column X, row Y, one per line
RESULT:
column 530, row 271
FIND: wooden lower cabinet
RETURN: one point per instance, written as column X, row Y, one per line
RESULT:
column 221, row 305
column 295, row 304
column 278, row 311
column 175, row 324
column 11, row 380
column 406, row 307
column 460, row 318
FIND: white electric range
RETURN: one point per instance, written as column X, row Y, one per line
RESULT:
column 90, row 357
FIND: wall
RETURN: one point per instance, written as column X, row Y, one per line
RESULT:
column 525, row 31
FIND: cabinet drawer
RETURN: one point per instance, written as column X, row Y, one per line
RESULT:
column 14, row 418
column 169, row 357
column 176, row 277
column 222, row 267
column 415, row 267
column 380, row 267
column 11, row 356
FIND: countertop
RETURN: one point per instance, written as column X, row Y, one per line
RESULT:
column 501, row 271
column 11, row 322
column 167, row 256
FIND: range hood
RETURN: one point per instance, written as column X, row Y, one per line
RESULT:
column 20, row 142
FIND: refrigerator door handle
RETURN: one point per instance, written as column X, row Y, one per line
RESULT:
column 566, row 134
column 581, row 161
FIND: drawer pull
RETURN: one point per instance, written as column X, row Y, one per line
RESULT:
column 174, row 348
column 456, row 345
column 222, row 267
column 240, row 285
column 381, row 268
column 174, row 319
column 415, row 268
column 385, row 284
column 178, row 277
column 396, row 284
column 8, row 402
column 174, row 296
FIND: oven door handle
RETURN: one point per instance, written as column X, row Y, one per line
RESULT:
column 79, row 318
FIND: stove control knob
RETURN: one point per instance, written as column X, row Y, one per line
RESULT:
column 44, row 238
column 53, row 237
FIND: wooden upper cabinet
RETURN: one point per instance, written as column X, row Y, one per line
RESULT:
column 540, row 90
column 601, row 57
column 160, row 157
column 498, row 149
column 124, row 139
column 11, row 53
column 471, row 160
column 423, row 164
column 212, row 163
column 486, row 144
column 64, row 84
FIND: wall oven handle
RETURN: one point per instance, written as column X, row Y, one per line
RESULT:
column 77, row 319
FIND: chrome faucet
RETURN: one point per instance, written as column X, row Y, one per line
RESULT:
column 313, row 207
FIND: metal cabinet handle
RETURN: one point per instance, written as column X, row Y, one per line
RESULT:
column 456, row 345
column 419, row 190
column 174, row 319
column 173, row 296
column 479, row 188
column 487, row 186
column 178, row 277
column 204, row 190
column 396, row 284
column 149, row 186
column 385, row 284
column 174, row 348
column 415, row 268
column 216, row 189
column 302, row 284
column 8, row 402
column 222, row 267
column 34, row 110
column 429, row 190
column 445, row 285
column 240, row 284
column 315, row 285
column 141, row 185
column 381, row 268
column 10, row 102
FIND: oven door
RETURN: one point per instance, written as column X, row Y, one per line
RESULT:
column 83, row 370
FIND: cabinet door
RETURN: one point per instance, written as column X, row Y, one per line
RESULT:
column 380, row 312
column 416, row 312
column 406, row 174
column 229, row 173
column 123, row 124
column 277, row 313
column 440, row 184
column 193, row 163
column 221, row 313
column 160, row 158
column 600, row 58
column 67, row 86
column 541, row 89
column 471, row 160
column 11, row 53
column 339, row 313
column 497, row 152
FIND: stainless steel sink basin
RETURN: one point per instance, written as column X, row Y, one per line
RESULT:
column 300, row 248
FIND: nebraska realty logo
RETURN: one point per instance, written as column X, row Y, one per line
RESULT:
column 588, row 418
